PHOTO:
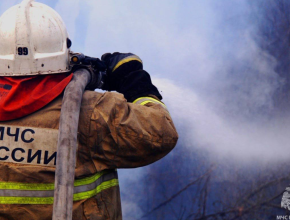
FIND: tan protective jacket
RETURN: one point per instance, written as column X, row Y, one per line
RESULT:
column 112, row 134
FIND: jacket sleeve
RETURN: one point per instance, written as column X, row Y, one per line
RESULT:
column 128, row 135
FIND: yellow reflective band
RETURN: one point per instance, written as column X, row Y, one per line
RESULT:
column 27, row 186
column 147, row 100
column 31, row 193
column 126, row 60
column 26, row 200
column 49, row 200
column 89, row 180
column 48, row 186
column 91, row 193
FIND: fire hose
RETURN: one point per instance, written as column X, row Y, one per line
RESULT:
column 87, row 69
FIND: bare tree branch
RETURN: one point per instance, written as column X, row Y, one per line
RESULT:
column 179, row 192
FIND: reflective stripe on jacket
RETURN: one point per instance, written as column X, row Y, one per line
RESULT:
column 42, row 193
column 112, row 134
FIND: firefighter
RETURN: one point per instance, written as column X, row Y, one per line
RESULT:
column 124, row 129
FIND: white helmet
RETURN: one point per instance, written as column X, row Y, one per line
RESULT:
column 33, row 41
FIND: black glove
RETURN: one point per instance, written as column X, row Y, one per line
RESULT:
column 125, row 74
column 95, row 66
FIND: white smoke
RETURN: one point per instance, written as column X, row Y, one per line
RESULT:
column 237, row 139
column 204, row 51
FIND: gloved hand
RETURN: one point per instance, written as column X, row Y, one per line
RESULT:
column 125, row 74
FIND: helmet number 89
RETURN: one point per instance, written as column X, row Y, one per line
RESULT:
column 22, row 51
